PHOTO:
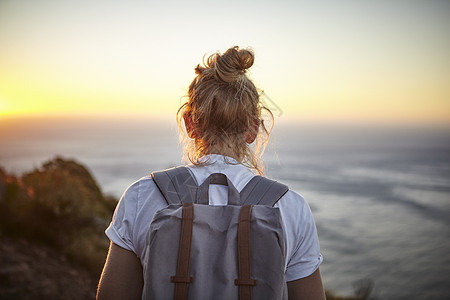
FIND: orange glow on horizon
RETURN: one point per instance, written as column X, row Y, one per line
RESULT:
column 133, row 61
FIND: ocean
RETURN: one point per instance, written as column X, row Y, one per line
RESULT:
column 380, row 195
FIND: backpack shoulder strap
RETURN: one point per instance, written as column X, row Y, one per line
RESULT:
column 263, row 191
column 176, row 185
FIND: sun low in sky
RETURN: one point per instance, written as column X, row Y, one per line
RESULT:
column 318, row 61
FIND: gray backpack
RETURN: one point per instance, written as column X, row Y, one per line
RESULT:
column 199, row 251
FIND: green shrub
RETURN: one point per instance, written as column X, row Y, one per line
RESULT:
column 60, row 205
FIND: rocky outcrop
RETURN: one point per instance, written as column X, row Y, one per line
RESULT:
column 52, row 242
column 35, row 271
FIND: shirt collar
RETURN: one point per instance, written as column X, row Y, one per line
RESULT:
column 218, row 159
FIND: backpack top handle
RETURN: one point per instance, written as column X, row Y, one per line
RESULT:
column 222, row 179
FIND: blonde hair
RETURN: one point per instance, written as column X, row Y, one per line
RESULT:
column 224, row 109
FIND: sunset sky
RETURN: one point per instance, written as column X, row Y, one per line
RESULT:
column 319, row 61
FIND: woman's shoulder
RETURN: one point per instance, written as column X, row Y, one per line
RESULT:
column 134, row 212
column 144, row 184
column 143, row 195
column 294, row 208
column 293, row 198
column 134, row 187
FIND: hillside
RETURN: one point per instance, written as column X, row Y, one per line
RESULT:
column 52, row 223
column 34, row 271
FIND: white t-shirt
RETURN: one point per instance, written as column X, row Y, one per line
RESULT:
column 142, row 199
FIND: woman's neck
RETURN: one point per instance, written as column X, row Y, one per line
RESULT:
column 226, row 152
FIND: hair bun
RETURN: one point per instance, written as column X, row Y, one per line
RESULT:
column 231, row 65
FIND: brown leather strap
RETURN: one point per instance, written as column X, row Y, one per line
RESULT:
column 182, row 278
column 244, row 281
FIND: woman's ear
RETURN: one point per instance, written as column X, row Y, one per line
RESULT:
column 253, row 132
column 190, row 130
